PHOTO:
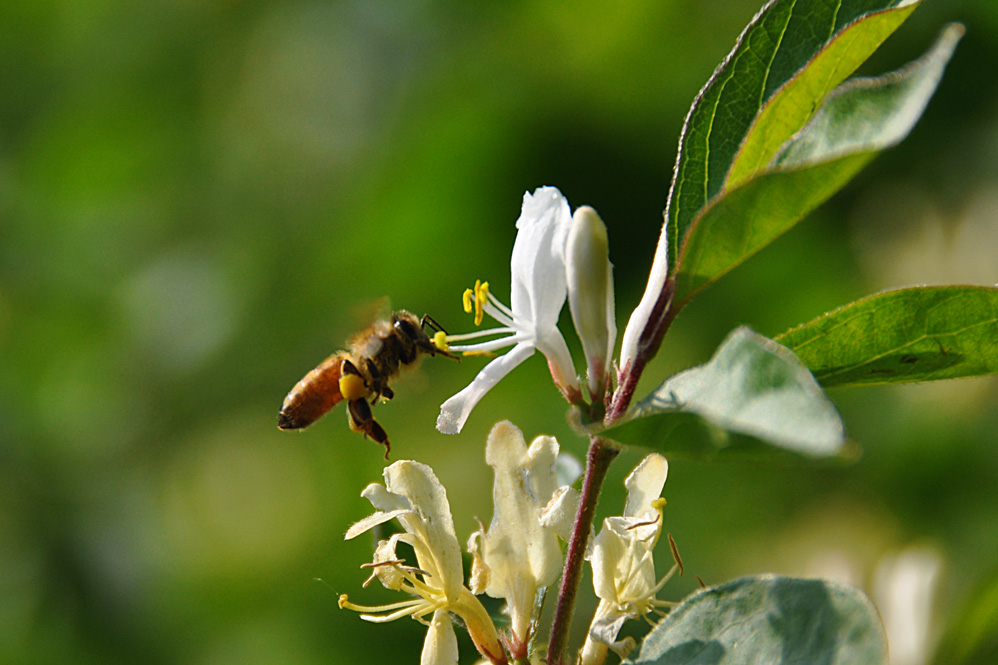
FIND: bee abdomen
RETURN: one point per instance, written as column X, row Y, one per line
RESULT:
column 313, row 396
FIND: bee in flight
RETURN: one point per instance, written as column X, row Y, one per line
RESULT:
column 360, row 376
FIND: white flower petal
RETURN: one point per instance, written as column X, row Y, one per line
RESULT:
column 480, row 573
column 436, row 546
column 590, row 291
column 371, row 521
column 537, row 265
column 455, row 411
column 607, row 555
column 389, row 576
column 568, row 469
column 522, row 556
column 559, row 513
column 440, row 646
column 384, row 500
column 540, row 462
column 644, row 484
column 639, row 317
column 553, row 346
column 605, row 629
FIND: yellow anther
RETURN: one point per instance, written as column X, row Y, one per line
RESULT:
column 352, row 387
column 487, row 354
column 659, row 503
column 476, row 297
column 343, row 601
column 481, row 297
column 440, row 339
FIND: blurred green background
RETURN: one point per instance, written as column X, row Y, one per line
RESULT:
column 200, row 200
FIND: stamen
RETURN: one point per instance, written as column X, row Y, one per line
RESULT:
column 378, row 564
column 481, row 297
column 495, row 301
column 491, row 345
column 649, row 523
column 479, row 352
column 418, row 609
column 345, row 604
column 477, row 297
column 662, row 582
column 377, row 613
column 478, row 333
column 675, row 554
column 499, row 314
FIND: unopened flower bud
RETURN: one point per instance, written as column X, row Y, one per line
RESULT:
column 590, row 294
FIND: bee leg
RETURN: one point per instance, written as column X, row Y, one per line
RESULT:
column 379, row 383
column 361, row 420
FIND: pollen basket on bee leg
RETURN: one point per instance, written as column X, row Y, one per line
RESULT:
column 352, row 387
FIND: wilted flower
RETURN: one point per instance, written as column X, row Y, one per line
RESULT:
column 413, row 495
column 623, row 562
column 518, row 555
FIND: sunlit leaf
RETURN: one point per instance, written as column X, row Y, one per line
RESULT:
column 914, row 334
column 856, row 121
column 752, row 387
column 769, row 620
column 788, row 57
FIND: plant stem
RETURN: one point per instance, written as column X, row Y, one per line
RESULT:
column 601, row 453
column 659, row 321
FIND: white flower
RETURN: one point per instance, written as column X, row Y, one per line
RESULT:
column 590, row 295
column 413, row 495
column 623, row 562
column 636, row 330
column 518, row 555
column 538, row 292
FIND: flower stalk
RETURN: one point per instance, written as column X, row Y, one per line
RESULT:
column 601, row 453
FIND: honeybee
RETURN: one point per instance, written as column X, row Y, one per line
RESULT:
column 360, row 375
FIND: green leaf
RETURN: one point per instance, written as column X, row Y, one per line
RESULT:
column 769, row 620
column 784, row 62
column 752, row 387
column 859, row 119
column 913, row 334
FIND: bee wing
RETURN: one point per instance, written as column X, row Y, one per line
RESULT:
column 367, row 313
column 317, row 393
column 367, row 343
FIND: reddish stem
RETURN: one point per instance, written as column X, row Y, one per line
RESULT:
column 601, row 453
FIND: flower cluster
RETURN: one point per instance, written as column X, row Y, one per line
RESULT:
column 557, row 255
column 623, row 563
column 515, row 559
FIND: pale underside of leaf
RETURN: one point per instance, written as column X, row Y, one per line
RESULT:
column 780, row 41
column 786, row 111
column 859, row 119
column 752, row 386
column 769, row 619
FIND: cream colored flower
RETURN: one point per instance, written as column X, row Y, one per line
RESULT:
column 517, row 556
column 623, row 562
column 413, row 496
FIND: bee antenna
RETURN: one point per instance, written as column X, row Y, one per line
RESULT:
column 428, row 320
